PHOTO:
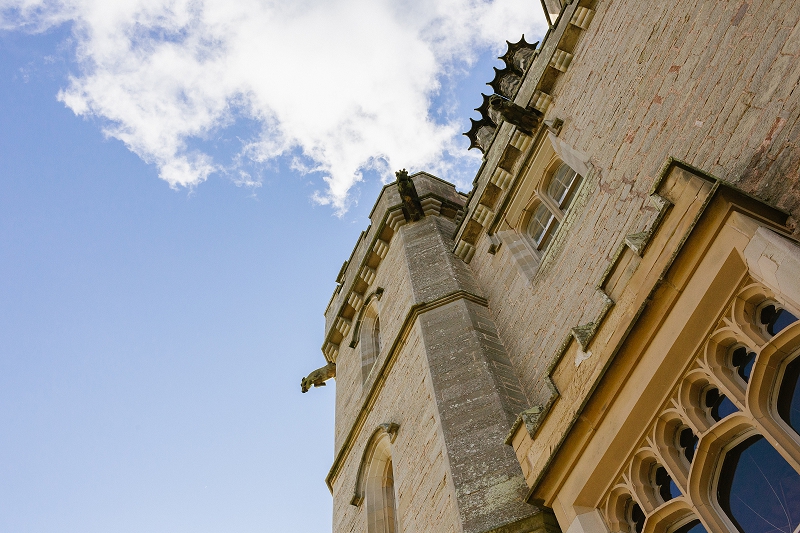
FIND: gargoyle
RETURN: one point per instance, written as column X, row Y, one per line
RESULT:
column 526, row 120
column 318, row 377
column 412, row 208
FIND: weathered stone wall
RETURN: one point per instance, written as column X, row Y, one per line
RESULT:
column 443, row 375
column 393, row 307
column 425, row 492
column 711, row 83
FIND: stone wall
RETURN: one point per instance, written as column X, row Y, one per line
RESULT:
column 710, row 83
column 425, row 492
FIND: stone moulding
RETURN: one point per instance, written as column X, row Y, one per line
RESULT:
column 637, row 242
column 371, row 397
column 388, row 428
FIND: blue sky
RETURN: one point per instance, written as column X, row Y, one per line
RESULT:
column 152, row 339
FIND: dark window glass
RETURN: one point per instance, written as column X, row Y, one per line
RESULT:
column 789, row 395
column 758, row 489
column 667, row 488
column 636, row 517
column 692, row 527
column 688, row 443
column 776, row 319
column 743, row 361
column 718, row 405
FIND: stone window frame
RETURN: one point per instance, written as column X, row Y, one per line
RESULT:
column 372, row 483
column 558, row 212
column 756, row 401
column 538, row 172
column 369, row 338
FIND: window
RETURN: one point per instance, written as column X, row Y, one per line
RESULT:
column 724, row 452
column 743, row 360
column 687, row 442
column 717, row 405
column 758, row 490
column 635, row 517
column 541, row 226
column 390, row 510
column 664, row 485
column 549, row 211
column 369, row 340
column 380, row 490
column 775, row 318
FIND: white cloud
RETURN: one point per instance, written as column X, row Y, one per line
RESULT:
column 347, row 84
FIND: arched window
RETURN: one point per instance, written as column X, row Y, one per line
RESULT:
column 686, row 441
column 774, row 318
column 562, row 186
column 635, row 517
column 663, row 484
column 549, row 212
column 541, row 226
column 390, row 508
column 369, row 340
column 717, row 405
column 380, row 490
column 742, row 360
column 758, row 490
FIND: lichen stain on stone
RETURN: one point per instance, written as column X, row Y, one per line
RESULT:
column 509, row 490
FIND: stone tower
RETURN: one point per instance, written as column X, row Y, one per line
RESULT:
column 423, row 380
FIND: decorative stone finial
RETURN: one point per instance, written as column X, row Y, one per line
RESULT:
column 505, row 82
column 482, row 131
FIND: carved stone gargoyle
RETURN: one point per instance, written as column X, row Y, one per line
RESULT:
column 412, row 208
column 526, row 120
column 318, row 377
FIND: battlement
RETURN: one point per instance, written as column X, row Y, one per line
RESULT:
column 437, row 198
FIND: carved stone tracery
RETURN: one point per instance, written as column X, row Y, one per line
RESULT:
column 685, row 440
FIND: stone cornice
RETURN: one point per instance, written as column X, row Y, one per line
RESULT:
column 510, row 151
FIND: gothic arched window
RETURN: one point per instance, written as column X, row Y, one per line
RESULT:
column 380, row 490
column 758, row 490
column 369, row 340
column 774, row 318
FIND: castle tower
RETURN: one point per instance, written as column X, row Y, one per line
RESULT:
column 425, row 392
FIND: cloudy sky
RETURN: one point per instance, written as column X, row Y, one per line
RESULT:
column 180, row 182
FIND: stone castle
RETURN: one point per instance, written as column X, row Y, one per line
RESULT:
column 601, row 336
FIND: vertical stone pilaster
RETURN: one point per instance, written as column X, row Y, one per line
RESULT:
column 477, row 392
